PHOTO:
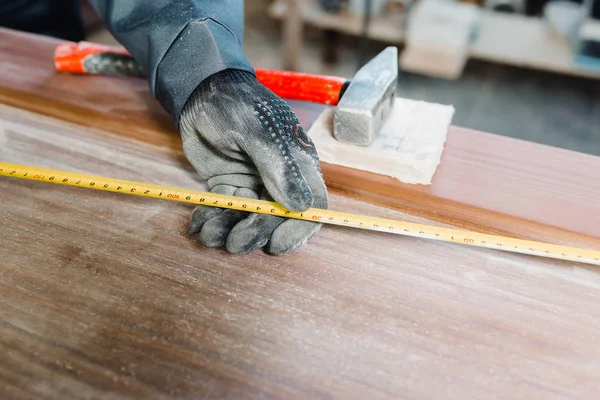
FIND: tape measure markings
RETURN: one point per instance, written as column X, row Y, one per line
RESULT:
column 316, row 215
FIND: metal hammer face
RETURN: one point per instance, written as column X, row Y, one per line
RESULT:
column 368, row 101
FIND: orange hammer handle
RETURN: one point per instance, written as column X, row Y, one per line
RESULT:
column 299, row 86
column 70, row 57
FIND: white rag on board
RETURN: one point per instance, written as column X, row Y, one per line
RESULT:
column 409, row 147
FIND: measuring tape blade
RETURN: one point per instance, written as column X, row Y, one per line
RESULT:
column 313, row 214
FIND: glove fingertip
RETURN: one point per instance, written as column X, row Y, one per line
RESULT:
column 252, row 233
column 290, row 236
column 242, row 244
column 199, row 216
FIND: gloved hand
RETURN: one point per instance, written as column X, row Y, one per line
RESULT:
column 245, row 141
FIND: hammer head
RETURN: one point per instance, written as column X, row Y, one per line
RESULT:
column 367, row 103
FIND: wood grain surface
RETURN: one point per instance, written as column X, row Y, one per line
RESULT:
column 485, row 182
column 103, row 296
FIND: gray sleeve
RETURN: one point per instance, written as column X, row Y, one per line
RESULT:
column 179, row 43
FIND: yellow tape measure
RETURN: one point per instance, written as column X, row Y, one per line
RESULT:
column 313, row 214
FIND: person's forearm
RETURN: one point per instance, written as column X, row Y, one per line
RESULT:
column 179, row 43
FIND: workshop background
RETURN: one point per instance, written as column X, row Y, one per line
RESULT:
column 524, row 69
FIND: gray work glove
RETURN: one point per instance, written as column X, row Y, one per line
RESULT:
column 245, row 141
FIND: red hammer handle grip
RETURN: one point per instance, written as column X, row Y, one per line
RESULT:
column 70, row 57
column 299, row 86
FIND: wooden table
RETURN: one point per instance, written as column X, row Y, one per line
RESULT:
column 103, row 295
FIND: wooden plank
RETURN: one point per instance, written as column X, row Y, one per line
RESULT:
column 485, row 182
column 103, row 296
column 497, row 185
column 29, row 81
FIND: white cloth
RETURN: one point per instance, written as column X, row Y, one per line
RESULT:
column 409, row 147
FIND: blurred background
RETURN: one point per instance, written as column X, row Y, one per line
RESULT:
column 528, row 69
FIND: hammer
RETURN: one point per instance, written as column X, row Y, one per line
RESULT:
column 363, row 103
